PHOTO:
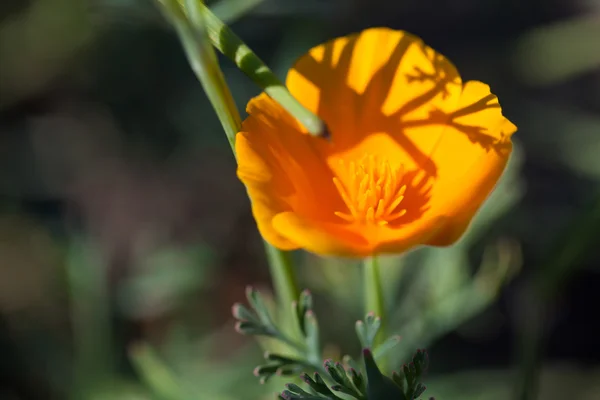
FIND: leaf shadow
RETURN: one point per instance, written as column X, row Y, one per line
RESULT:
column 364, row 111
column 416, row 198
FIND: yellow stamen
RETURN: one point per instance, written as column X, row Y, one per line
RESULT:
column 371, row 189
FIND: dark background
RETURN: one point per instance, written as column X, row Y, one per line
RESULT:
column 121, row 218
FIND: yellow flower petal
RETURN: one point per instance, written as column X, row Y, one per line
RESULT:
column 320, row 237
column 464, row 197
column 280, row 168
column 266, row 191
column 402, row 239
column 414, row 152
column 471, row 156
column 368, row 83
column 475, row 127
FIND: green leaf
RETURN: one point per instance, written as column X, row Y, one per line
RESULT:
column 259, row 306
column 385, row 347
column 361, row 332
column 278, row 365
column 379, row 387
column 312, row 336
column 358, row 380
column 250, row 328
column 316, row 383
column 338, row 374
column 294, row 392
column 304, row 304
column 240, row 312
column 351, row 363
column 409, row 379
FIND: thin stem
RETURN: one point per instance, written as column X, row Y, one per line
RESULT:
column 284, row 338
column 373, row 296
column 203, row 61
column 246, row 60
column 90, row 315
column 302, row 352
column 284, row 282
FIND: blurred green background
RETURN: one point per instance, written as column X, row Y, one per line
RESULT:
column 125, row 236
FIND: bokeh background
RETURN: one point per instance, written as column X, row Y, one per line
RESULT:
column 125, row 236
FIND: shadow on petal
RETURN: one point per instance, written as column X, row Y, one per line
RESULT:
column 414, row 87
column 416, row 198
column 321, row 237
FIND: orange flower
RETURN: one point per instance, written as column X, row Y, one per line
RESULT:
column 414, row 151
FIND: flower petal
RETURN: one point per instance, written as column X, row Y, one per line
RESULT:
column 471, row 157
column 265, row 190
column 398, row 240
column 475, row 127
column 460, row 204
column 382, row 93
column 280, row 168
column 370, row 82
column 320, row 237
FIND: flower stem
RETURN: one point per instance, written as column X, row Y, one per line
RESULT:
column 191, row 24
column 373, row 294
column 284, row 283
column 228, row 43
column 203, row 61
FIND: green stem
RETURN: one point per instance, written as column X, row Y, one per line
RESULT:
column 284, row 282
column 204, row 63
column 90, row 315
column 246, row 60
column 373, row 293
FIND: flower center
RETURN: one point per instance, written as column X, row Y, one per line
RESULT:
column 372, row 190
